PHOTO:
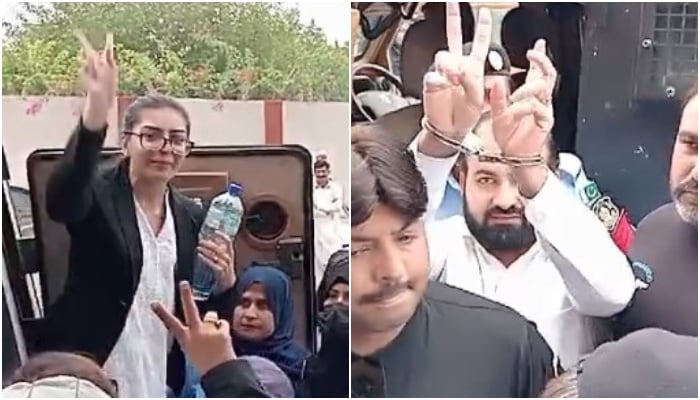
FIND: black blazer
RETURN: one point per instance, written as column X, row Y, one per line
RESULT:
column 106, row 256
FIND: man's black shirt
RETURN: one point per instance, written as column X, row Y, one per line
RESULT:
column 457, row 344
column 664, row 257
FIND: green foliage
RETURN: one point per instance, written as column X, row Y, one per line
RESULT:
column 207, row 50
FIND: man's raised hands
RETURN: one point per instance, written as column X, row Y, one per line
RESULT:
column 453, row 94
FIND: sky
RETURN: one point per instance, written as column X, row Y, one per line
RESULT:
column 332, row 17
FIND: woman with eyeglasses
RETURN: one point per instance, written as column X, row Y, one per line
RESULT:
column 133, row 236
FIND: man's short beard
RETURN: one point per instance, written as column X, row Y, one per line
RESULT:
column 499, row 237
column 687, row 212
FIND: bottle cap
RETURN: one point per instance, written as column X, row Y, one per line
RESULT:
column 235, row 189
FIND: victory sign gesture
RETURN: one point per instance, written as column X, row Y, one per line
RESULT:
column 522, row 128
column 100, row 76
column 453, row 94
column 207, row 342
column 523, row 122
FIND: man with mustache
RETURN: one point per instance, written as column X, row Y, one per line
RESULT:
column 525, row 240
column 665, row 249
column 569, row 168
column 411, row 337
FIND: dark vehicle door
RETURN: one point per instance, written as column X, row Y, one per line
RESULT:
column 638, row 60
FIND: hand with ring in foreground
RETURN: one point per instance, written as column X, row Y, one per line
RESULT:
column 207, row 342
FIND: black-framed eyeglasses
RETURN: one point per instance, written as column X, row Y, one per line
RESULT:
column 180, row 145
column 368, row 379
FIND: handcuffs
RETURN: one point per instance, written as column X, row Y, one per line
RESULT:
column 472, row 146
column 497, row 64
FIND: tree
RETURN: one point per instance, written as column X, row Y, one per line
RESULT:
column 208, row 50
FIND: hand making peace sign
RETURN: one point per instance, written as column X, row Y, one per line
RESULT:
column 453, row 95
column 523, row 122
column 206, row 342
column 100, row 75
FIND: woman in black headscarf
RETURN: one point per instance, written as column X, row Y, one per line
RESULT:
column 326, row 373
column 335, row 285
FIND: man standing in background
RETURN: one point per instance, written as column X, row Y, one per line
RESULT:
column 328, row 207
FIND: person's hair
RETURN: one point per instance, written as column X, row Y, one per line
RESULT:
column 153, row 101
column 321, row 164
column 270, row 376
column 384, row 172
column 562, row 386
column 54, row 363
column 693, row 92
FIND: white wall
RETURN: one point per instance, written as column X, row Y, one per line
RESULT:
column 317, row 126
column 49, row 127
column 226, row 122
column 322, row 126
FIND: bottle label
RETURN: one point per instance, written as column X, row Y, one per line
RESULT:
column 224, row 215
column 215, row 217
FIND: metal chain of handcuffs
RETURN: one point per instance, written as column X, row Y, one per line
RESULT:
column 472, row 146
column 497, row 64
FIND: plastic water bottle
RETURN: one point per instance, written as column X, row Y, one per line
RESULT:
column 224, row 215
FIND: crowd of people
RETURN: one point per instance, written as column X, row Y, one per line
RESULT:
column 485, row 262
column 120, row 329
column 526, row 283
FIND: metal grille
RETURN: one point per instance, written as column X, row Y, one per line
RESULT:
column 674, row 60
